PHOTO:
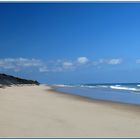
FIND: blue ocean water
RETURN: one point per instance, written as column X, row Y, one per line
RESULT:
column 125, row 93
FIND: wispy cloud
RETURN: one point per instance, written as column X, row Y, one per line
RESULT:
column 67, row 65
column 114, row 61
column 43, row 69
column 138, row 61
column 19, row 64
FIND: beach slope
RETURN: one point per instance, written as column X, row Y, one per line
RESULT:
column 36, row 111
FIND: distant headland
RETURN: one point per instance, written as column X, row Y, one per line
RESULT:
column 7, row 80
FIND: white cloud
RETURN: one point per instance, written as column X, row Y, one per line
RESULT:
column 20, row 64
column 113, row 61
column 17, row 64
column 67, row 64
column 43, row 69
column 29, row 62
column 82, row 60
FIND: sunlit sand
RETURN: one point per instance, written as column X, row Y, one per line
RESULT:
column 36, row 111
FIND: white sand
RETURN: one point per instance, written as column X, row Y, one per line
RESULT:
column 34, row 111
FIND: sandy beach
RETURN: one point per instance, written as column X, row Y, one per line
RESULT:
column 37, row 111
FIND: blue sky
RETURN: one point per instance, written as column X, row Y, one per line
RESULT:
column 71, row 42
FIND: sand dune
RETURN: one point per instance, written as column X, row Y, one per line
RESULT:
column 35, row 111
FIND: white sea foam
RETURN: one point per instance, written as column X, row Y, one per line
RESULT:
column 116, row 87
column 102, row 86
column 95, row 86
column 86, row 86
column 62, row 85
column 124, row 88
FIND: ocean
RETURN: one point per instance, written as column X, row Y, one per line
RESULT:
column 118, row 92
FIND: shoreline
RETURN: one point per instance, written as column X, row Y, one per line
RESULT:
column 88, row 99
column 41, row 112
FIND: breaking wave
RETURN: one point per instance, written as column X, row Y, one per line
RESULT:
column 114, row 87
column 124, row 88
column 63, row 85
column 86, row 86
